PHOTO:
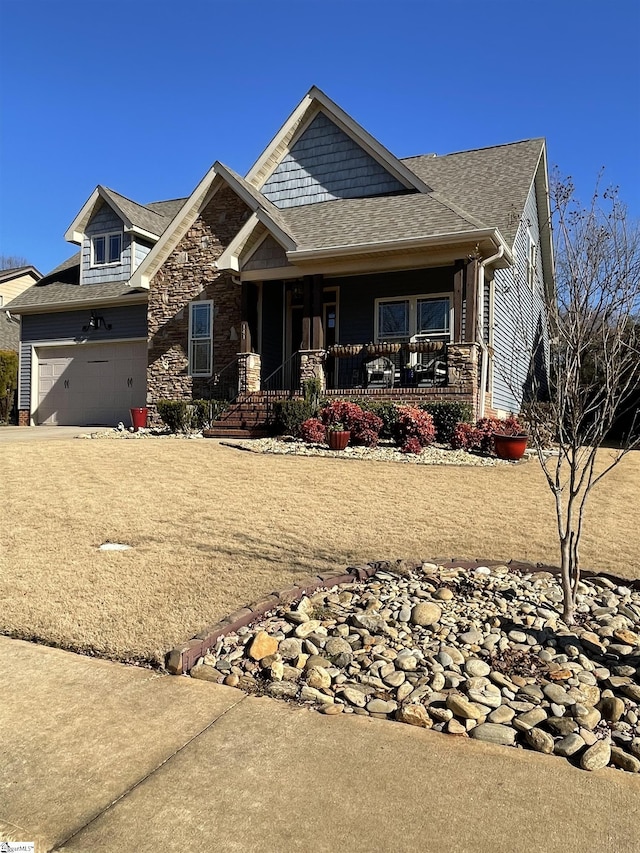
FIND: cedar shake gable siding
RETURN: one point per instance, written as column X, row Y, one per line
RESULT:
column 189, row 274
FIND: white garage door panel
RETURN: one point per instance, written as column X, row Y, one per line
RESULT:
column 94, row 384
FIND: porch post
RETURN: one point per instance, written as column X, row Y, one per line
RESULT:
column 306, row 312
column 471, row 317
column 458, row 282
column 317, row 336
column 245, row 328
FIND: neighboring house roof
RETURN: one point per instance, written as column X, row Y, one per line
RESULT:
column 490, row 183
column 16, row 272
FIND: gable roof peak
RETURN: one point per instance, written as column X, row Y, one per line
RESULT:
column 316, row 101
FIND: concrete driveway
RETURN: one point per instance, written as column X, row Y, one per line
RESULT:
column 40, row 433
column 98, row 757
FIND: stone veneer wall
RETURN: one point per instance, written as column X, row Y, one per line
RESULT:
column 312, row 366
column 186, row 275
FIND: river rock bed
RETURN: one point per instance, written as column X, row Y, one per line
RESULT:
column 385, row 451
column 482, row 654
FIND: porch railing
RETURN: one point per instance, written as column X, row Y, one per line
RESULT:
column 286, row 377
column 387, row 366
column 223, row 385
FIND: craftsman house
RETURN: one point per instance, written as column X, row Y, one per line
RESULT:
column 415, row 278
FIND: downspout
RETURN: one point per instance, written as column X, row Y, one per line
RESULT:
column 484, row 368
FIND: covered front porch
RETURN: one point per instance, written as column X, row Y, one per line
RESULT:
column 408, row 334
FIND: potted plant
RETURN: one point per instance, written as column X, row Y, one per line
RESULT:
column 510, row 440
column 338, row 436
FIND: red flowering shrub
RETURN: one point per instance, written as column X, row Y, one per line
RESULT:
column 413, row 423
column 313, row 431
column 364, row 426
column 411, row 445
column 479, row 438
column 465, row 437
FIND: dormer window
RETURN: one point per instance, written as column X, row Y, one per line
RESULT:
column 106, row 249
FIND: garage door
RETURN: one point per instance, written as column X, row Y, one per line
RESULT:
column 91, row 384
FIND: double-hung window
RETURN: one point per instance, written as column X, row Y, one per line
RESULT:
column 403, row 318
column 201, row 338
column 106, row 249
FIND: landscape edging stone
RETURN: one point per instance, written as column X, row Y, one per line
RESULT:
column 182, row 658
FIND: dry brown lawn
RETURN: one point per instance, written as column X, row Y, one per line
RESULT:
column 214, row 528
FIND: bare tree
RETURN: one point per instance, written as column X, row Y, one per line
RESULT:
column 12, row 262
column 593, row 339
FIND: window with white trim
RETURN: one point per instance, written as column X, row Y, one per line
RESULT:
column 201, row 338
column 402, row 318
column 106, row 249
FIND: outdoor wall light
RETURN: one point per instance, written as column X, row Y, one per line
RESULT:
column 96, row 322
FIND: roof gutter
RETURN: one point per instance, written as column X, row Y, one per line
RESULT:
column 142, row 297
column 380, row 246
column 484, row 367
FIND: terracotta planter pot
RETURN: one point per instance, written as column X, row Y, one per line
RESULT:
column 511, row 447
column 338, row 439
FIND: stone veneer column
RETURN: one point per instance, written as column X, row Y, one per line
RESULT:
column 312, row 366
column 24, row 417
column 249, row 370
column 462, row 371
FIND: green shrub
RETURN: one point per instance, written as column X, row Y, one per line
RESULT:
column 289, row 415
column 174, row 414
column 387, row 412
column 446, row 417
column 311, row 390
column 8, row 382
column 205, row 412
column 189, row 415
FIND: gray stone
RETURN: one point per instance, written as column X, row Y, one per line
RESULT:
column 380, row 706
column 414, row 715
column 283, row 689
column 426, row 613
column 562, row 725
column 569, row 745
column 290, row 648
column 206, row 673
column 539, row 740
column 355, row 697
column 501, row 715
column 517, row 636
column 310, row 694
column 394, row 679
column 494, row 733
column 632, row 691
column 556, row 693
column 624, row 760
column 462, row 707
column 471, row 638
column 528, row 720
column 476, row 667
column 596, row 756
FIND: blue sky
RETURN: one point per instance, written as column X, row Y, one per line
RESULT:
column 144, row 96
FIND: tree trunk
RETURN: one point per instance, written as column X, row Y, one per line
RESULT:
column 567, row 585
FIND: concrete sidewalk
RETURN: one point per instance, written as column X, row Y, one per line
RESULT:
column 98, row 756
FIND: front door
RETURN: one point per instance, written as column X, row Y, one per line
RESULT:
column 330, row 326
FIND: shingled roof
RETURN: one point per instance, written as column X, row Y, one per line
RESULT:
column 356, row 221
column 138, row 215
column 59, row 293
column 492, row 184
